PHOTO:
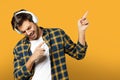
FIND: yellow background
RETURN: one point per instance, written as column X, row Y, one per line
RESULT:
column 102, row 61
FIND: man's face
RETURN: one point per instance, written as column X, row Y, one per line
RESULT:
column 29, row 29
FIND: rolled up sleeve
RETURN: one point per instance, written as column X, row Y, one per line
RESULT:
column 75, row 50
column 20, row 70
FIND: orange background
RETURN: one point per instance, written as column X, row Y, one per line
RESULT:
column 102, row 61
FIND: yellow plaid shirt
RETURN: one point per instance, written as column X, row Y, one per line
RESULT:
column 59, row 44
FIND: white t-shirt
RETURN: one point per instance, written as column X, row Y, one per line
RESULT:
column 42, row 67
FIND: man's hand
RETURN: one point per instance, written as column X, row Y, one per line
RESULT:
column 38, row 53
column 82, row 26
column 83, row 23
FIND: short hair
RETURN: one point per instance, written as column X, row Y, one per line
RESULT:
column 18, row 19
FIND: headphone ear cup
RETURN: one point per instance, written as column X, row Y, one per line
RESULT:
column 34, row 18
column 17, row 31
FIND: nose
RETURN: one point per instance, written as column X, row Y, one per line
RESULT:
column 28, row 32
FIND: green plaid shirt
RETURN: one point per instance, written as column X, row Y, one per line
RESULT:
column 59, row 43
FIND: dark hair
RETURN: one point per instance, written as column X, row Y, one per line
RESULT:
column 18, row 19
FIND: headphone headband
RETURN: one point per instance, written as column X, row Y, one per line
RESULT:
column 34, row 18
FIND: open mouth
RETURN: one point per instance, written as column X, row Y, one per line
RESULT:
column 32, row 35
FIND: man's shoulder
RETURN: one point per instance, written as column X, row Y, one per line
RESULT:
column 20, row 42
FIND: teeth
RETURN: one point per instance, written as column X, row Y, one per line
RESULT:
column 31, row 34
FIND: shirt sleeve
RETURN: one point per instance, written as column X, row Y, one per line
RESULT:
column 75, row 50
column 20, row 70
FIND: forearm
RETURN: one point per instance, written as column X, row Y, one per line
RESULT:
column 81, row 36
column 22, row 71
column 29, row 64
column 82, row 26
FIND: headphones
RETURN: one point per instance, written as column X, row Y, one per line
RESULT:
column 34, row 18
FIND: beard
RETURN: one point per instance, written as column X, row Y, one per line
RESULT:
column 35, row 34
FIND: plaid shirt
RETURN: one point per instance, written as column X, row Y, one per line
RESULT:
column 59, row 43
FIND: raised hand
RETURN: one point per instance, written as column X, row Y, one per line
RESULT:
column 83, row 22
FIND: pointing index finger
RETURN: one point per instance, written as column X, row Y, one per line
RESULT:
column 85, row 15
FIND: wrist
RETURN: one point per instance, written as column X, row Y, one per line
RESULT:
column 82, row 31
column 31, row 59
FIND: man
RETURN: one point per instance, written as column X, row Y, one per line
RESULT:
column 40, row 55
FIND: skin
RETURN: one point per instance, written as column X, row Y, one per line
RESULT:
column 82, row 26
column 32, row 31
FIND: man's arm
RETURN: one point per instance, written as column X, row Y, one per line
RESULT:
column 77, row 50
column 82, row 26
column 23, row 69
column 20, row 70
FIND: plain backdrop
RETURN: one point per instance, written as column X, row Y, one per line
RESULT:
column 102, row 61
